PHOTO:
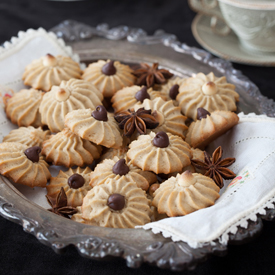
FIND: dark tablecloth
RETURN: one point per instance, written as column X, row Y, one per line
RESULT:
column 20, row 252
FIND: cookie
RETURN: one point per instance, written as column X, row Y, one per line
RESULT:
column 160, row 153
column 50, row 70
column 70, row 95
column 75, row 183
column 111, row 153
column 67, row 149
column 78, row 217
column 171, row 88
column 109, row 76
column 168, row 116
column 116, row 204
column 29, row 136
column 209, row 127
column 206, row 91
column 23, row 108
column 185, row 193
column 96, row 125
column 23, row 164
column 117, row 168
column 128, row 97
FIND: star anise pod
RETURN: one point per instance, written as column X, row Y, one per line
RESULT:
column 59, row 205
column 215, row 166
column 150, row 75
column 140, row 120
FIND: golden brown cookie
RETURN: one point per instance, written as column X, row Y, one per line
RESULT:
column 71, row 95
column 110, row 153
column 75, row 183
column 23, row 108
column 160, row 153
column 185, row 193
column 171, row 88
column 207, row 128
column 23, row 164
column 116, row 168
column 78, row 217
column 50, row 70
column 128, row 97
column 29, row 136
column 117, row 204
column 96, row 125
column 109, row 76
column 206, row 91
column 68, row 149
column 168, row 116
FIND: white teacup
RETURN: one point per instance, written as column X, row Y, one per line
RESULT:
column 253, row 21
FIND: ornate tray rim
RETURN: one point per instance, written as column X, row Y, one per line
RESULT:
column 161, row 251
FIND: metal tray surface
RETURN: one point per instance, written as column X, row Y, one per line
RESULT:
column 134, row 245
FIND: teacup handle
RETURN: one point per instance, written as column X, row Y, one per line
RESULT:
column 211, row 8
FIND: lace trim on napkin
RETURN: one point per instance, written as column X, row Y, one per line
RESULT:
column 9, row 47
column 224, row 236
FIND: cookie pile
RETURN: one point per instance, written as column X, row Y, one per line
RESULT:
column 132, row 140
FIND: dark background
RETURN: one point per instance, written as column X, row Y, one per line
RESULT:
column 21, row 253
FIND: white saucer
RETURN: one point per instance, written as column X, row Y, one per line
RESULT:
column 227, row 47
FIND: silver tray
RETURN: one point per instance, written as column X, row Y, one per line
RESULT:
column 134, row 245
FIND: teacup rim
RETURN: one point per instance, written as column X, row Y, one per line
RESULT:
column 262, row 5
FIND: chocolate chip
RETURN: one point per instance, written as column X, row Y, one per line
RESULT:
column 142, row 94
column 120, row 168
column 174, row 91
column 161, row 140
column 116, row 202
column 76, row 181
column 32, row 153
column 109, row 68
column 202, row 113
column 100, row 113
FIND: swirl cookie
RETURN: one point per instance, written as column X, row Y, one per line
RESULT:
column 185, row 193
column 29, row 136
column 171, row 88
column 68, row 149
column 78, row 217
column 116, row 204
column 70, row 95
column 96, row 125
column 109, row 76
column 168, row 116
column 50, row 70
column 75, row 183
column 128, row 97
column 208, row 127
column 206, row 91
column 118, row 168
column 160, row 153
column 23, row 164
column 111, row 153
column 23, row 108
